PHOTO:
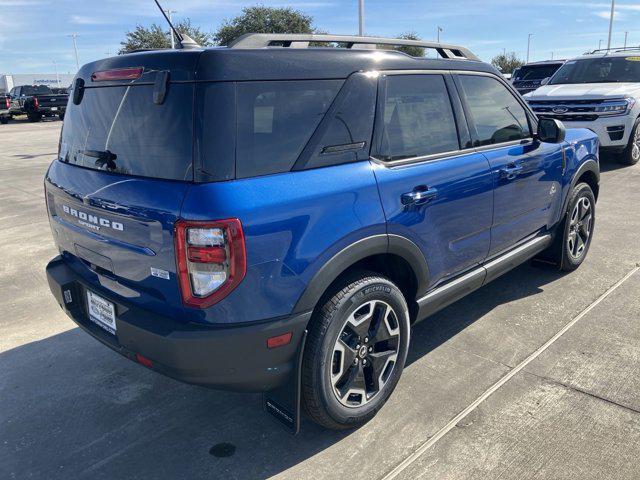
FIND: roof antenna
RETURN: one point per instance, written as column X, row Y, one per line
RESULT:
column 184, row 41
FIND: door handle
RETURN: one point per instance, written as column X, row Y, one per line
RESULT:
column 511, row 171
column 419, row 196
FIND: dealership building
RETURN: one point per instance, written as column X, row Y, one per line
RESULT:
column 7, row 82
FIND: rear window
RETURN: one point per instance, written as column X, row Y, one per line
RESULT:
column 36, row 90
column 275, row 121
column 125, row 125
column 538, row 72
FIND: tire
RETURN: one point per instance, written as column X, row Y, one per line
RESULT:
column 4, row 120
column 34, row 117
column 61, row 116
column 631, row 154
column 355, row 352
column 565, row 251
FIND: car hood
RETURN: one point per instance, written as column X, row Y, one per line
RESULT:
column 583, row 91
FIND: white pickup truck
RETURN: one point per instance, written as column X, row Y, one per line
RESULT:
column 599, row 91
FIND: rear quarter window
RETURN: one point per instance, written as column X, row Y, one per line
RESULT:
column 275, row 120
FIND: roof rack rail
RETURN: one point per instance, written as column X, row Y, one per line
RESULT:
column 615, row 49
column 302, row 40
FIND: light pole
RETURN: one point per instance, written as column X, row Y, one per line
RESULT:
column 75, row 48
column 551, row 55
column 613, row 6
column 361, row 17
column 599, row 44
column 173, row 41
column 440, row 29
column 529, row 46
column 626, row 34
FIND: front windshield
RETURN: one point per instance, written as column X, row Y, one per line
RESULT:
column 599, row 70
column 538, row 72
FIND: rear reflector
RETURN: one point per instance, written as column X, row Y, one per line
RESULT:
column 117, row 74
column 280, row 340
column 144, row 361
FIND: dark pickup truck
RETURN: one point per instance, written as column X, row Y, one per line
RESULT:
column 5, row 103
column 37, row 101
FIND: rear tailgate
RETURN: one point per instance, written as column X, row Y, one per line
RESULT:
column 113, row 216
column 52, row 101
column 117, row 231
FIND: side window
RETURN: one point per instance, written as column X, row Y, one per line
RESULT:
column 497, row 115
column 416, row 118
column 275, row 121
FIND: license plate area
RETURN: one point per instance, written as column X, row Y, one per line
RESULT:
column 102, row 312
column 54, row 109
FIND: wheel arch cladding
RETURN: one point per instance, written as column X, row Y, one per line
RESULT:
column 589, row 173
column 392, row 256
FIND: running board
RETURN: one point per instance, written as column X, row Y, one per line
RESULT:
column 454, row 290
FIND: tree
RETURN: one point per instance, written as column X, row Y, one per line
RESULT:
column 507, row 62
column 156, row 37
column 413, row 51
column 261, row 19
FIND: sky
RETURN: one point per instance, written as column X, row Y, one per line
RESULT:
column 36, row 33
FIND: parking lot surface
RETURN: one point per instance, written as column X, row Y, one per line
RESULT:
column 533, row 376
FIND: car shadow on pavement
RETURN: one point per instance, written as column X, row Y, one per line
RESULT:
column 72, row 408
column 522, row 282
column 610, row 162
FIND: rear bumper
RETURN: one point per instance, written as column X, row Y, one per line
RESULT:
column 50, row 110
column 232, row 357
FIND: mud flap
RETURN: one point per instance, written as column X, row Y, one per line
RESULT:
column 284, row 402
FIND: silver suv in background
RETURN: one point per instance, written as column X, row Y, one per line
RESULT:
column 599, row 91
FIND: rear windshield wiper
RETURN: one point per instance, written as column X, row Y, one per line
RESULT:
column 104, row 157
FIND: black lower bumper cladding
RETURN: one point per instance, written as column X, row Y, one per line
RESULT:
column 228, row 357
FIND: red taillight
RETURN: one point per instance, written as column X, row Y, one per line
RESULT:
column 7, row 103
column 36, row 102
column 117, row 74
column 206, row 255
column 211, row 260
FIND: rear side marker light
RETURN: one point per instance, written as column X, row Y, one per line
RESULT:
column 280, row 340
column 211, row 260
column 117, row 74
column 144, row 361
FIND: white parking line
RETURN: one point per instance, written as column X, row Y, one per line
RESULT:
column 443, row 431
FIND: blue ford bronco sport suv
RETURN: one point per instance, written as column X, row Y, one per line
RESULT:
column 260, row 216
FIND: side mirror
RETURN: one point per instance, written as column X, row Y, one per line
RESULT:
column 550, row 130
column 544, row 81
